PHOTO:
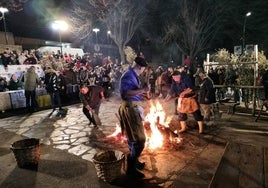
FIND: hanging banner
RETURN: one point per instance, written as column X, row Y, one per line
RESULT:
column 19, row 70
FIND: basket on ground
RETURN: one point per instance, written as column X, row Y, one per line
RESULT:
column 108, row 164
column 27, row 152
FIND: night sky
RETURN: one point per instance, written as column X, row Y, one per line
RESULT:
column 35, row 19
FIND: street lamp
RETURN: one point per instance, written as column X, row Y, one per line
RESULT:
column 244, row 30
column 3, row 11
column 60, row 25
column 108, row 36
column 96, row 30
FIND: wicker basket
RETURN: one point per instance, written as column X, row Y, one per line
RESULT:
column 27, row 152
column 108, row 164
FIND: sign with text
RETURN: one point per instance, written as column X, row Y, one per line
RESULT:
column 237, row 50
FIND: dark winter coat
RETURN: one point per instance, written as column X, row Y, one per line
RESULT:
column 207, row 91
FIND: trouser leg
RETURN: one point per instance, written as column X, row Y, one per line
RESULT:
column 52, row 100
column 87, row 114
column 131, row 167
column 27, row 96
column 58, row 99
column 132, row 159
column 33, row 100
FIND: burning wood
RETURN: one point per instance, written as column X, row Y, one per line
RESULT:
column 169, row 136
column 166, row 129
column 117, row 135
column 157, row 130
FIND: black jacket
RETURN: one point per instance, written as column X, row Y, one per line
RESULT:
column 207, row 90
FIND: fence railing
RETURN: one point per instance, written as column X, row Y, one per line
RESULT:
column 250, row 96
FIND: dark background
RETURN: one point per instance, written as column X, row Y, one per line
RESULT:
column 34, row 21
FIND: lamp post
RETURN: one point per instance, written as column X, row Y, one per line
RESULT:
column 3, row 11
column 244, row 31
column 108, row 41
column 60, row 26
column 96, row 30
column 108, row 36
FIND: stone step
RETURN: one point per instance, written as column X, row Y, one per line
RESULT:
column 241, row 166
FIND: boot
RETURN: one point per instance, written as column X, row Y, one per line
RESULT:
column 183, row 126
column 131, row 168
column 139, row 165
column 201, row 127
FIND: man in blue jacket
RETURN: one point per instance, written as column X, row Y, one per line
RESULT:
column 130, row 113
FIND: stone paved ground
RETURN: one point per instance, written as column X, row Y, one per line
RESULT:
column 69, row 144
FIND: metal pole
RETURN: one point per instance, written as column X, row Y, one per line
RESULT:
column 244, row 31
column 60, row 42
column 5, row 28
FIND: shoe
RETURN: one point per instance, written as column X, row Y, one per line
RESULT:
column 132, row 169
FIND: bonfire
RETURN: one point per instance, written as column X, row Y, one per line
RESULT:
column 156, row 125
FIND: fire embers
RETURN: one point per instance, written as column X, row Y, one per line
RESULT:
column 158, row 133
column 157, row 125
column 159, row 136
column 117, row 135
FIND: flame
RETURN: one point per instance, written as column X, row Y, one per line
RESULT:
column 155, row 117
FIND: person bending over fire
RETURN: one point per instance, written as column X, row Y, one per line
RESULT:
column 91, row 97
column 130, row 113
column 186, row 103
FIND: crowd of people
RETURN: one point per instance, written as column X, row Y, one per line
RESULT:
column 94, row 79
column 72, row 69
column 175, row 83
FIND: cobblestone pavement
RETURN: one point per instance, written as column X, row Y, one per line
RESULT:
column 189, row 164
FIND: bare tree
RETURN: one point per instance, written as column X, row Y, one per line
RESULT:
column 123, row 20
column 196, row 25
column 121, row 17
column 81, row 19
